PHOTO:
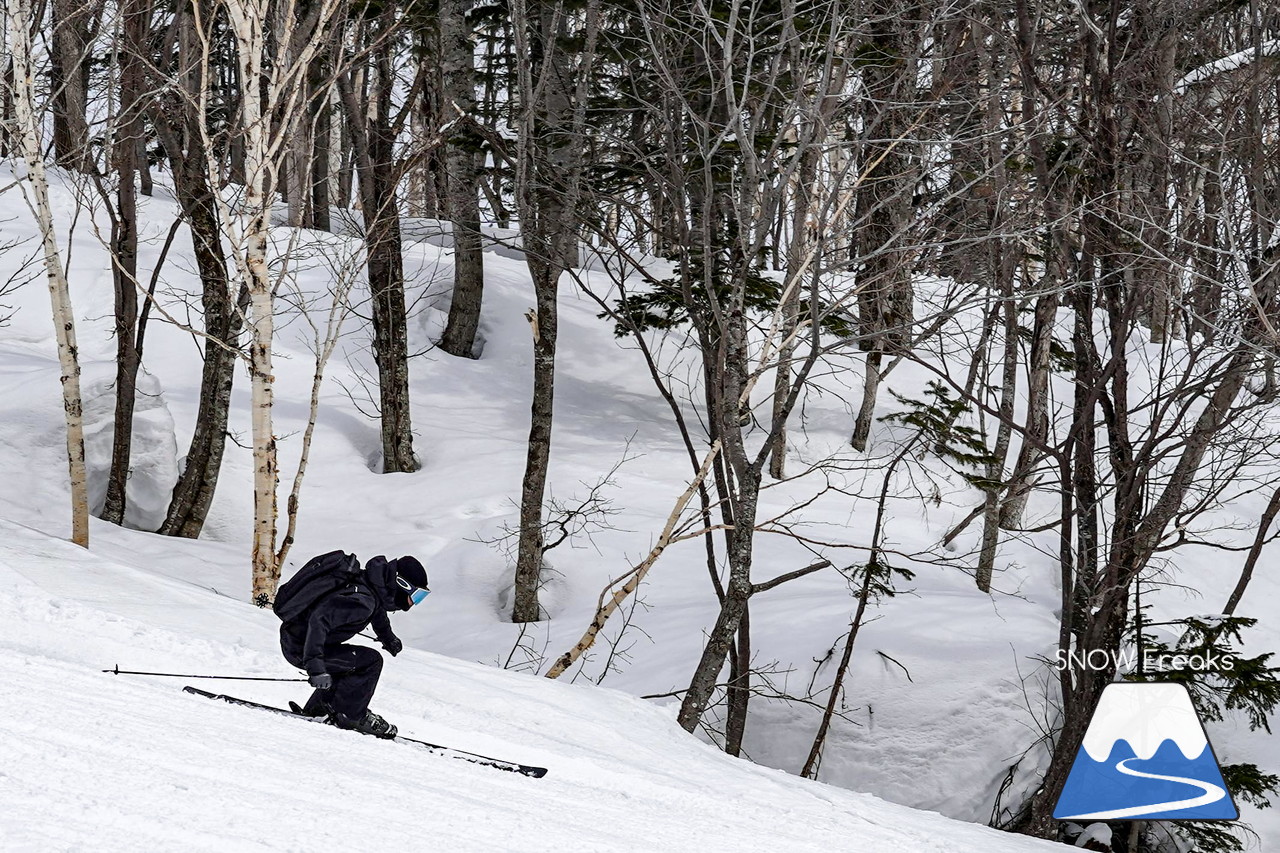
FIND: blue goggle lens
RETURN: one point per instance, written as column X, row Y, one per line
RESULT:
column 416, row 595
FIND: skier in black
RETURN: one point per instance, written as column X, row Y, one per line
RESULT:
column 345, row 676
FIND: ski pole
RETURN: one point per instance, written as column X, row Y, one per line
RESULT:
column 118, row 671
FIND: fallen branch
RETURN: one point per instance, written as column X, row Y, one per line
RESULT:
column 605, row 609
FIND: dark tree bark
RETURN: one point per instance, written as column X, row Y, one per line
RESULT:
column 550, row 188
column 739, row 689
column 964, row 221
column 124, row 254
column 1052, row 186
column 885, row 293
column 323, row 111
column 373, row 134
column 525, row 607
column 7, row 146
column 223, row 322
column 73, row 25
column 178, row 127
column 1147, row 494
column 464, row 161
column 730, row 375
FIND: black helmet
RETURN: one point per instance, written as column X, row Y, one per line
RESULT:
column 411, row 581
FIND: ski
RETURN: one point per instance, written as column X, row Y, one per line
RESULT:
column 434, row 749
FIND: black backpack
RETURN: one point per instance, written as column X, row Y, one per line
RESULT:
column 321, row 576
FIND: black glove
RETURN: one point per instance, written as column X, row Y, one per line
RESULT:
column 393, row 645
column 321, row 681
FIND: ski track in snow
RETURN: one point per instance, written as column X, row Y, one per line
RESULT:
column 1212, row 793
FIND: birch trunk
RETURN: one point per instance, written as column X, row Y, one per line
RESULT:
column 249, row 22
column 631, row 580
column 19, row 13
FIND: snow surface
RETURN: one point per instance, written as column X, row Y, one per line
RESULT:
column 101, row 762
column 945, row 694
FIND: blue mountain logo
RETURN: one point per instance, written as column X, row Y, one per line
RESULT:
column 1145, row 755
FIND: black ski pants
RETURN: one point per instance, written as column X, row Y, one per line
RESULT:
column 355, row 671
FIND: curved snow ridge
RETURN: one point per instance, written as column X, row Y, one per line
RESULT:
column 1144, row 716
column 1212, row 793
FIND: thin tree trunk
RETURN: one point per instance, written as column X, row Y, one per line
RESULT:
column 884, row 197
column 1255, row 551
column 964, row 221
column 1002, row 261
column 739, row 688
column 810, row 769
column 19, row 13
column 548, row 189
column 737, row 592
column 321, row 152
column 732, row 384
column 525, row 607
column 140, row 158
column 7, row 145
column 346, row 162
column 373, row 135
column 1037, row 428
column 124, row 268
column 870, row 390
column 1004, row 429
column 249, row 20
column 124, row 258
column 802, row 227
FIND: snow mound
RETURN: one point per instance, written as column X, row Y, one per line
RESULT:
column 153, row 460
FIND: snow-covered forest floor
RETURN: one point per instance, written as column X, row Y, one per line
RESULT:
column 946, row 691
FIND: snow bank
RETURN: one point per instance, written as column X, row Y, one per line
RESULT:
column 153, row 460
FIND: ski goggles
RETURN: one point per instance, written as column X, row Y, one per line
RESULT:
column 416, row 595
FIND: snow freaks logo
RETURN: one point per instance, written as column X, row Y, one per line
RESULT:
column 1145, row 755
column 1100, row 659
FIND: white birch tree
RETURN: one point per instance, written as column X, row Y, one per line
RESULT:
column 27, row 131
column 274, row 92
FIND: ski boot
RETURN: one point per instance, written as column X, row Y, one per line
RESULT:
column 369, row 724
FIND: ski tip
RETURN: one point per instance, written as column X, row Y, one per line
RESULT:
column 536, row 772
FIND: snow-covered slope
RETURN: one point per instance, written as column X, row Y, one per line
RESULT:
column 945, row 692
column 99, row 762
column 928, row 722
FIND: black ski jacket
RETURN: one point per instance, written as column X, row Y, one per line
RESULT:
column 339, row 616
